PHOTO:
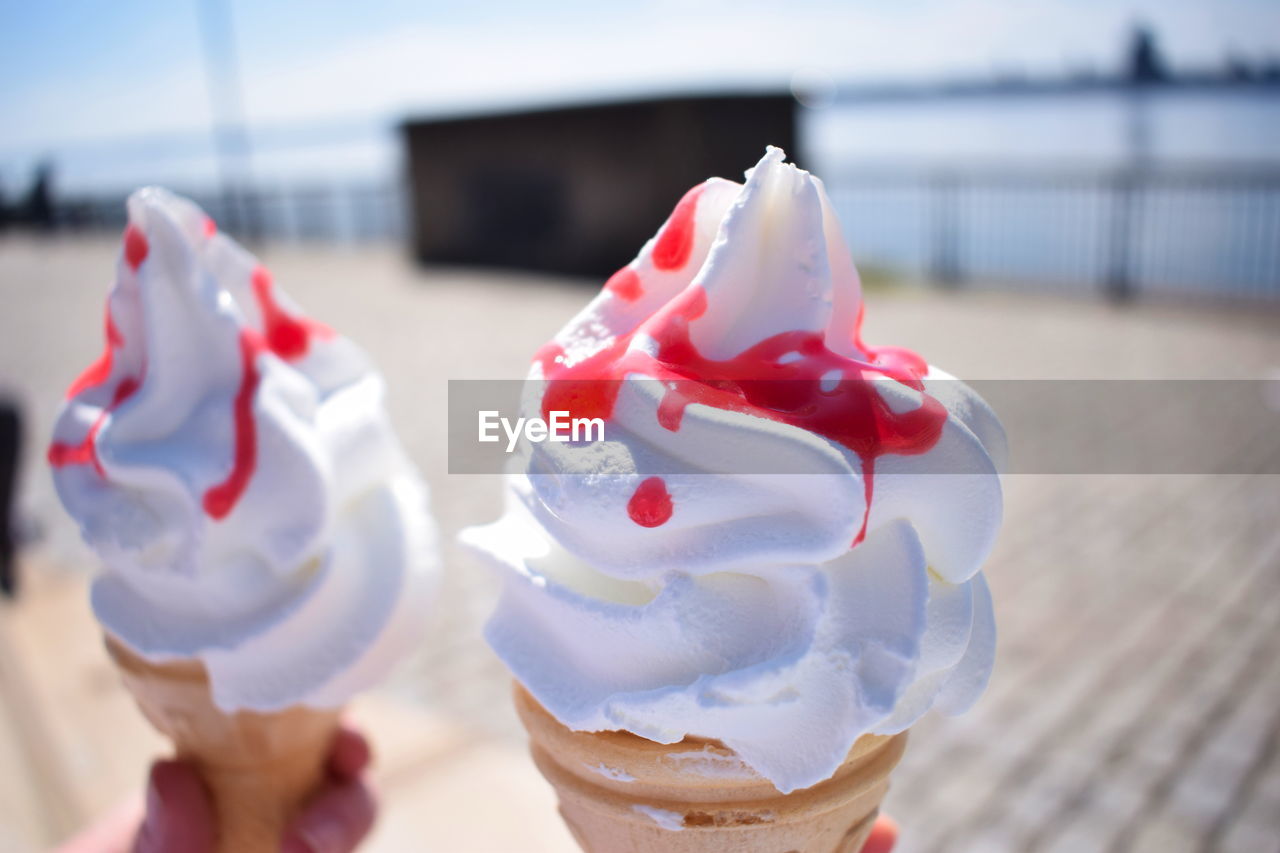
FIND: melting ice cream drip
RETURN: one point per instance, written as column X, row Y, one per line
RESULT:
column 792, row 377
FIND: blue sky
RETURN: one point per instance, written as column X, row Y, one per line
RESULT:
column 75, row 69
column 75, row 72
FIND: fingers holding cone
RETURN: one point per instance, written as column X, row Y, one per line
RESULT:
column 884, row 834
column 180, row 814
column 343, row 811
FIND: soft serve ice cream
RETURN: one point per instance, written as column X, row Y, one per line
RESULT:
column 666, row 582
column 231, row 463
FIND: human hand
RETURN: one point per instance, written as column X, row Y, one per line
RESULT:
column 179, row 816
column 884, row 834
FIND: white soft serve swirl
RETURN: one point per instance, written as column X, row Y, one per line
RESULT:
column 746, row 616
column 314, row 584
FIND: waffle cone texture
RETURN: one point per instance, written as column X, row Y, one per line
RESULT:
column 620, row 793
column 258, row 768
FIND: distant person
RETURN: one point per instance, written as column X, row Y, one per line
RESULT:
column 10, row 448
column 1145, row 64
column 37, row 209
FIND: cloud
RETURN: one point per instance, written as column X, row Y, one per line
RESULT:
column 552, row 52
column 676, row 46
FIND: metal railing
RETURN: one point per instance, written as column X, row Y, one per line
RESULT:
column 343, row 213
column 1123, row 232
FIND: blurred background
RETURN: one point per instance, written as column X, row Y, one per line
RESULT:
column 1050, row 190
column 1077, row 146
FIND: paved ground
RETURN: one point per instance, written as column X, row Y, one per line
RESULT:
column 1136, row 699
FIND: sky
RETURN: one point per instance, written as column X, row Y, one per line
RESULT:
column 76, row 72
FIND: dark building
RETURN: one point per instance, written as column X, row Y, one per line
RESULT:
column 577, row 189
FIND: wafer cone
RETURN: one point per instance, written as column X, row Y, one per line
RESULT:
column 259, row 768
column 620, row 793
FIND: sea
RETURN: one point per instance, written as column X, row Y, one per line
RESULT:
column 1145, row 188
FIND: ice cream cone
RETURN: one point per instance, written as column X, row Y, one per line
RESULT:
column 620, row 793
column 259, row 768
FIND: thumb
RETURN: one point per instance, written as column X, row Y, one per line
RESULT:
column 884, row 834
column 335, row 822
column 179, row 815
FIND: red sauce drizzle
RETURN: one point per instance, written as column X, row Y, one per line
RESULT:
column 625, row 284
column 135, row 247
column 287, row 336
column 781, row 379
column 219, row 500
column 85, row 452
column 135, row 252
column 650, row 506
column 97, row 373
column 210, row 227
column 675, row 242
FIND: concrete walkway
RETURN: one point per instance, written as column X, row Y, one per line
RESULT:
column 1136, row 699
